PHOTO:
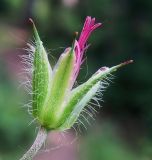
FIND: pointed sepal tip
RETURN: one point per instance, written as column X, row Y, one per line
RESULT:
column 35, row 30
column 114, row 68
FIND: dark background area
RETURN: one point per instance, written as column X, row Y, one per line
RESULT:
column 123, row 130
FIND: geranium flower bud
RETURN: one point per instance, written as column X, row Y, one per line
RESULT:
column 56, row 104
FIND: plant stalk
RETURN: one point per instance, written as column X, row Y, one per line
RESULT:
column 39, row 141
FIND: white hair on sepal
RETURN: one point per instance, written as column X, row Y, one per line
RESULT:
column 90, row 111
column 33, row 121
column 27, row 68
column 25, row 74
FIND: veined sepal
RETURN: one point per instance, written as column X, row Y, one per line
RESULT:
column 81, row 95
column 42, row 76
column 62, row 80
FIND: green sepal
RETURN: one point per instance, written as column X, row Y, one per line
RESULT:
column 42, row 75
column 60, row 89
column 83, row 94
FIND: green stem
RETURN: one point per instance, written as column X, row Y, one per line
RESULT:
column 39, row 141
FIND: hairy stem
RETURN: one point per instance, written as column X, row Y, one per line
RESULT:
column 39, row 141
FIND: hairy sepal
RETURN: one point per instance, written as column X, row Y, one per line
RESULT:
column 42, row 75
column 82, row 95
column 60, row 89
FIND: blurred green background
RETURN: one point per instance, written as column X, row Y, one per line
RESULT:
column 123, row 130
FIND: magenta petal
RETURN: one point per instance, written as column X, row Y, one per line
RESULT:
column 81, row 44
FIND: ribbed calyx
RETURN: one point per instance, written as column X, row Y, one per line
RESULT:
column 56, row 104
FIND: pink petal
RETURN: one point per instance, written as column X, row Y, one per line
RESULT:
column 81, row 44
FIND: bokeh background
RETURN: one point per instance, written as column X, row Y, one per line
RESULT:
column 123, row 126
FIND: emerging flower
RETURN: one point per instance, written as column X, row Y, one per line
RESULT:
column 56, row 105
column 81, row 44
